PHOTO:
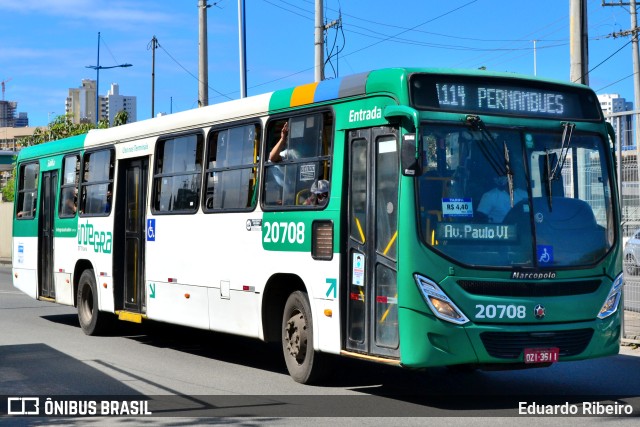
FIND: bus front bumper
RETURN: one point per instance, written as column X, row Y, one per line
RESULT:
column 426, row 341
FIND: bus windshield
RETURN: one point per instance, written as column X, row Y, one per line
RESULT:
column 511, row 198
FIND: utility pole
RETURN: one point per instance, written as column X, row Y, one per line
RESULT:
column 153, row 45
column 243, row 44
column 579, row 46
column 99, row 67
column 319, row 43
column 203, row 60
column 636, row 67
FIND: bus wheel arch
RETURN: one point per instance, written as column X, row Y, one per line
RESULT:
column 80, row 267
column 91, row 319
column 287, row 318
column 276, row 292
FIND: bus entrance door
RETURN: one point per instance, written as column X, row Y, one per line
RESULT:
column 45, row 238
column 372, row 310
column 129, row 245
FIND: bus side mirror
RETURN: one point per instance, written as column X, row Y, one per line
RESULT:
column 410, row 156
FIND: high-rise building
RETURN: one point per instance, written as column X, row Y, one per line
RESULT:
column 81, row 103
column 613, row 103
column 8, row 113
column 22, row 120
column 113, row 103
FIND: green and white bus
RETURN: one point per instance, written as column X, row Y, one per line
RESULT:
column 471, row 219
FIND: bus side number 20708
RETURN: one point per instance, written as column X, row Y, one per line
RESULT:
column 499, row 311
column 281, row 232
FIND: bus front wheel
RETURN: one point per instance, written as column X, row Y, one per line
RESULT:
column 91, row 320
column 303, row 363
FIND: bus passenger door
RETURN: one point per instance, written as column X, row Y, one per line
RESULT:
column 45, row 236
column 129, row 238
column 372, row 310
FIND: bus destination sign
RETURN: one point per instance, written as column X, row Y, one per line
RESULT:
column 503, row 97
column 500, row 100
column 460, row 231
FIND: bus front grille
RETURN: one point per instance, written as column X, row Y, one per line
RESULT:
column 529, row 289
column 511, row 345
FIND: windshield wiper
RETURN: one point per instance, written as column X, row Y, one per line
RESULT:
column 547, row 166
column 565, row 146
column 509, row 172
column 490, row 148
column 488, row 145
column 564, row 149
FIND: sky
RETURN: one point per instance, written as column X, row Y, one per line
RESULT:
column 46, row 45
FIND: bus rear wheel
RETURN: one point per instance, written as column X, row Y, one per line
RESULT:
column 303, row 363
column 92, row 321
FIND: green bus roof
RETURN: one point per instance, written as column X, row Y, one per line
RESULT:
column 73, row 143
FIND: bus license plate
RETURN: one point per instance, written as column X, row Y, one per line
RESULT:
column 541, row 355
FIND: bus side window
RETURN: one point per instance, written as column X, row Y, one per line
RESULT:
column 27, row 191
column 97, row 183
column 177, row 174
column 69, row 186
column 304, row 158
column 232, row 165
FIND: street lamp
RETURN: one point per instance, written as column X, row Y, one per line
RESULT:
column 98, row 67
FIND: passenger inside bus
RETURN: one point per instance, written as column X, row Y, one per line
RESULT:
column 319, row 193
column 71, row 204
column 298, row 156
column 496, row 203
column 279, row 151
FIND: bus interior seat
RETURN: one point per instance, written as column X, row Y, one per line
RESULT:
column 566, row 217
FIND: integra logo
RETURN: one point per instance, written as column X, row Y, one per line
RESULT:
column 100, row 241
column 534, row 275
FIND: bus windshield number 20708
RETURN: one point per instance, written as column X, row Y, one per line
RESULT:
column 412, row 217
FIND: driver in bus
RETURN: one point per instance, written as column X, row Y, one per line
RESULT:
column 496, row 203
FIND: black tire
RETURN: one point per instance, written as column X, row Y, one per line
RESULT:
column 303, row 363
column 92, row 321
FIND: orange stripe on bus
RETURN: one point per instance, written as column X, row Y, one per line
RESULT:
column 303, row 94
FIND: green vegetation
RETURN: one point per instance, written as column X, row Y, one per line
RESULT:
column 61, row 127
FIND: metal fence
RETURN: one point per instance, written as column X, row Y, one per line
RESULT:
column 629, row 189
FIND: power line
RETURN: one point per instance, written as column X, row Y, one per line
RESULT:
column 358, row 50
column 617, row 81
column 190, row 73
column 384, row 24
column 412, row 28
column 291, row 11
column 605, row 60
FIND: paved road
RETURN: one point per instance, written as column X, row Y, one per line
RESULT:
column 188, row 373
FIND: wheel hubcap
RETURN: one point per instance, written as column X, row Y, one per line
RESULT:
column 296, row 337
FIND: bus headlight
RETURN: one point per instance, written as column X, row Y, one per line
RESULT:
column 613, row 299
column 439, row 302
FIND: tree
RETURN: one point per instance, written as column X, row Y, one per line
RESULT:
column 121, row 118
column 7, row 190
column 61, row 127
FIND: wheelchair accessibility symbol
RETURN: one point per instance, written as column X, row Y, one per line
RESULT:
column 151, row 230
column 545, row 254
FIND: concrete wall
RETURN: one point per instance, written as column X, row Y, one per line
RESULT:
column 6, row 225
